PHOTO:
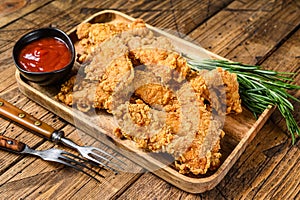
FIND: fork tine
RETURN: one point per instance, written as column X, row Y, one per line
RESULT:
column 77, row 168
column 64, row 159
column 83, row 160
column 88, row 152
column 101, row 163
column 109, row 155
column 98, row 157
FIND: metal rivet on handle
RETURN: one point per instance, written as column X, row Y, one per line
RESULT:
column 1, row 103
column 21, row 115
column 37, row 123
column 9, row 142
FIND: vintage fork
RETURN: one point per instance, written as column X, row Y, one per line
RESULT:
column 91, row 153
column 54, row 155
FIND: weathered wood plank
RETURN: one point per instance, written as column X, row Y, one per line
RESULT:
column 12, row 10
column 282, row 182
column 179, row 17
column 152, row 187
column 248, row 31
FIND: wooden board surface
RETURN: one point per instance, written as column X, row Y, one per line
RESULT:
column 255, row 32
column 240, row 129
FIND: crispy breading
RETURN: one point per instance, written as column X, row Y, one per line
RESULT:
column 77, row 92
column 152, row 132
column 103, row 55
column 157, row 115
column 196, row 159
column 190, row 160
column 233, row 100
column 211, row 85
column 117, row 46
column 91, row 35
column 65, row 94
column 95, row 68
column 140, row 114
column 176, row 66
column 119, row 70
column 154, row 94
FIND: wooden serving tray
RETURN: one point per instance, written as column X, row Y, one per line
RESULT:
column 240, row 129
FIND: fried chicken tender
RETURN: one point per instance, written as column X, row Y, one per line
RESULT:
column 191, row 162
column 233, row 100
column 119, row 70
column 77, row 92
column 176, row 66
column 208, row 86
column 195, row 155
column 151, row 131
column 216, row 84
column 102, row 56
column 91, row 35
column 118, row 45
column 161, row 98
column 155, row 95
column 203, row 152
column 140, row 114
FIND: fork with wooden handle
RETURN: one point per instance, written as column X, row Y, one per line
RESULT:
column 96, row 155
column 53, row 155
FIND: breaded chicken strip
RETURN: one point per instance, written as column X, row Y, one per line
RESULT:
column 91, row 35
column 216, row 84
column 119, row 70
column 203, row 152
column 194, row 152
column 78, row 92
column 155, row 95
column 146, row 126
column 156, row 59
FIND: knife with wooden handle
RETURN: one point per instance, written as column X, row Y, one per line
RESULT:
column 11, row 144
column 28, row 121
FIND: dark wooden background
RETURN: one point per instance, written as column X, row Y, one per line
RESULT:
column 250, row 31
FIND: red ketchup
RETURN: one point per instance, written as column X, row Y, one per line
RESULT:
column 45, row 55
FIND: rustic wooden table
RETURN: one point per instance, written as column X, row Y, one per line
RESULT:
column 250, row 31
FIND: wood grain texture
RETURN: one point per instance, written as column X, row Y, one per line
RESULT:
column 248, row 31
column 263, row 32
column 14, row 9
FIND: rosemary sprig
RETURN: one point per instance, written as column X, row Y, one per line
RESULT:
column 259, row 88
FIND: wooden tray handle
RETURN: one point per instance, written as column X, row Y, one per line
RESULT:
column 11, row 144
column 28, row 121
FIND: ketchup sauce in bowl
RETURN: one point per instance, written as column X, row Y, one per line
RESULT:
column 44, row 56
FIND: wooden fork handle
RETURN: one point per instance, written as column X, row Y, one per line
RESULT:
column 11, row 144
column 28, row 121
